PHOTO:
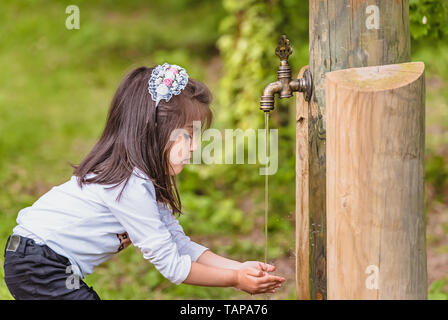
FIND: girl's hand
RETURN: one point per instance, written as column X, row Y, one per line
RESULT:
column 255, row 281
column 258, row 265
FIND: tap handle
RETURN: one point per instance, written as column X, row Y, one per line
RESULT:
column 284, row 49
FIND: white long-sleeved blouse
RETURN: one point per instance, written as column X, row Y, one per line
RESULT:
column 84, row 224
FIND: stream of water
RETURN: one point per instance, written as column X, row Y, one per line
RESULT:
column 266, row 187
column 266, row 192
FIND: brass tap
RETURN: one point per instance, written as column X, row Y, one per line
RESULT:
column 285, row 86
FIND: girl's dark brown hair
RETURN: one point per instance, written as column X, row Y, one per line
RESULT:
column 138, row 135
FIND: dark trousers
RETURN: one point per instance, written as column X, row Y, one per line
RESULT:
column 36, row 272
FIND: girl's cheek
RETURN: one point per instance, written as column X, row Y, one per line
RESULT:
column 194, row 144
column 175, row 155
column 184, row 149
column 179, row 155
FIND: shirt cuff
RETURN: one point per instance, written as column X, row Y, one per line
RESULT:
column 185, row 271
column 193, row 249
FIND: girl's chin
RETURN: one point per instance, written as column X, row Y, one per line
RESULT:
column 177, row 169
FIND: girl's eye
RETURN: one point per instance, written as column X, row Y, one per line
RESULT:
column 188, row 136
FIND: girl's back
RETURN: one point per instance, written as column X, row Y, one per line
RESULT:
column 69, row 217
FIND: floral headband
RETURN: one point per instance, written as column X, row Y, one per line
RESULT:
column 166, row 80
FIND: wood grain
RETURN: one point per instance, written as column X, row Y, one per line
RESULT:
column 375, row 182
column 302, row 182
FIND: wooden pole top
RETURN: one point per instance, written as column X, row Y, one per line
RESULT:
column 377, row 78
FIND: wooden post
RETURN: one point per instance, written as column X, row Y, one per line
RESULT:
column 375, row 183
column 302, row 220
column 343, row 34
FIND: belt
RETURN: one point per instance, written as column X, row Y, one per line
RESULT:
column 13, row 243
column 18, row 243
column 24, row 245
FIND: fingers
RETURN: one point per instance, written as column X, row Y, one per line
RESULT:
column 266, row 267
column 267, row 277
column 264, row 277
column 256, row 281
column 271, row 288
column 267, row 289
column 254, row 272
column 272, row 278
column 266, row 285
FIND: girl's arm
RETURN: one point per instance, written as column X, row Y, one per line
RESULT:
column 249, row 280
column 200, row 253
column 211, row 259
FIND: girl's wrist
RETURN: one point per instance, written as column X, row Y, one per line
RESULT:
column 236, row 265
column 234, row 278
column 211, row 259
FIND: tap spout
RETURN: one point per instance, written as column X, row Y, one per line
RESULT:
column 268, row 96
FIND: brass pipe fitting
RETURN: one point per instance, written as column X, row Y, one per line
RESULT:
column 285, row 86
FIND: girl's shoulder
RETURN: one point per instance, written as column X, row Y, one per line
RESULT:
column 140, row 178
column 138, row 182
column 139, row 174
column 136, row 175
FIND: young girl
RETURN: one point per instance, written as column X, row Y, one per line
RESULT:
column 124, row 191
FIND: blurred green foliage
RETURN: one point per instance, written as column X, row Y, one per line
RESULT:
column 429, row 19
column 438, row 290
column 56, row 85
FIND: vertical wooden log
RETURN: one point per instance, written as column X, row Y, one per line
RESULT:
column 302, row 180
column 343, row 34
column 375, row 182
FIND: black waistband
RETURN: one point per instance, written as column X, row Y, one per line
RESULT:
column 24, row 245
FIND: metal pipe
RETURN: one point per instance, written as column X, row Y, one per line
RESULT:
column 267, row 98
